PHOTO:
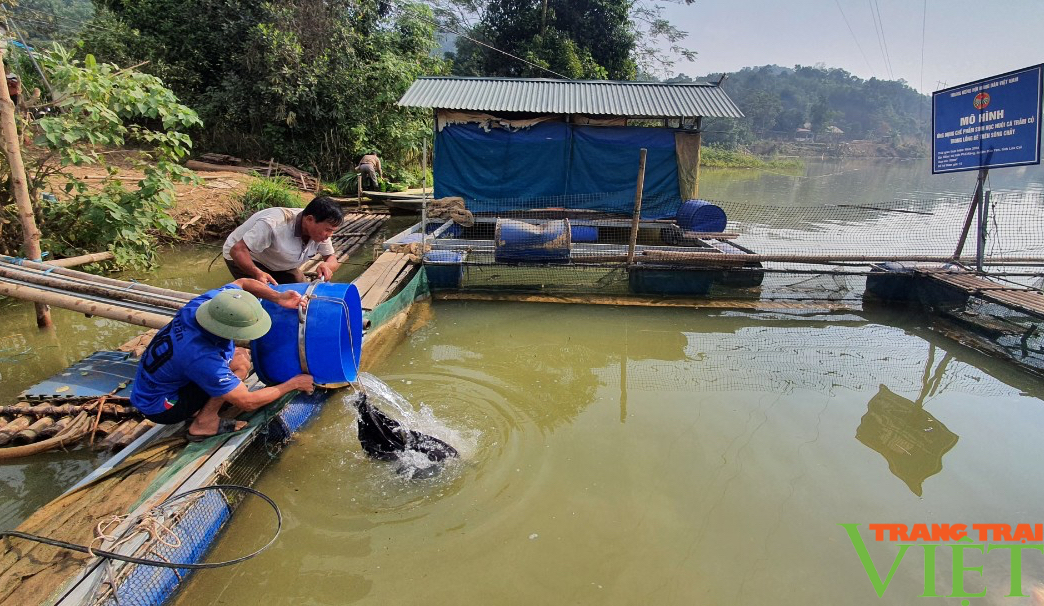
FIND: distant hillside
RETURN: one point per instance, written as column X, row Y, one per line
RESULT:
column 831, row 103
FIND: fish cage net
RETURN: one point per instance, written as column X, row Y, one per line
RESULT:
column 848, row 354
column 582, row 244
column 194, row 523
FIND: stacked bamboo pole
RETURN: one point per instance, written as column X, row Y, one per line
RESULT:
column 58, row 270
column 93, row 295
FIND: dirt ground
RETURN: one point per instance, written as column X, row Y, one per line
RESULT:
column 204, row 211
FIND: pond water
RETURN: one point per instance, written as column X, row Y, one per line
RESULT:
column 635, row 455
column 662, row 455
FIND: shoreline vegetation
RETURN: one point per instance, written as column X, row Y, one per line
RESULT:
column 720, row 157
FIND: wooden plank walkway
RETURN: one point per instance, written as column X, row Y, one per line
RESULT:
column 1022, row 298
column 381, row 279
column 356, row 229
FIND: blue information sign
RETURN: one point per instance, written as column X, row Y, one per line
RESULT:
column 988, row 123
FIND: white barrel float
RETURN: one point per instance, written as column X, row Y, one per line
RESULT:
column 521, row 242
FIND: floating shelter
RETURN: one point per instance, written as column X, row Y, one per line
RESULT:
column 508, row 138
column 554, row 177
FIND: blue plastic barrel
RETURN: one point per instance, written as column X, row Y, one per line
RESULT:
column 583, row 233
column 445, row 268
column 520, row 242
column 332, row 337
column 701, row 215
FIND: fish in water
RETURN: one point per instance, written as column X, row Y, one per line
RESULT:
column 385, row 439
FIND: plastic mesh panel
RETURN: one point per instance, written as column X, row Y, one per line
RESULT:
column 196, row 529
column 203, row 517
column 720, row 248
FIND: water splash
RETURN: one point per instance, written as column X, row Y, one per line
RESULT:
column 413, row 463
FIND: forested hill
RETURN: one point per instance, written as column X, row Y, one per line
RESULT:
column 779, row 100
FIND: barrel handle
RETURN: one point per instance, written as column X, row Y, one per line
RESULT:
column 302, row 327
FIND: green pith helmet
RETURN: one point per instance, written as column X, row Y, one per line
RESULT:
column 234, row 314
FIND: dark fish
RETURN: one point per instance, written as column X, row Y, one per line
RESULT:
column 385, row 439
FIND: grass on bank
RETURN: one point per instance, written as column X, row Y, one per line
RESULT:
column 269, row 192
column 719, row 157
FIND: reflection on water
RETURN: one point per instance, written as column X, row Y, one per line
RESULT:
column 636, row 455
column 910, row 439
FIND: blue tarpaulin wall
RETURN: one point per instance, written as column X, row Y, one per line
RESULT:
column 502, row 170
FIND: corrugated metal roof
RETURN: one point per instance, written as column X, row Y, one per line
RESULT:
column 591, row 97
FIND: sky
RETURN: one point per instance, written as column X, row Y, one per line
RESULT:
column 964, row 40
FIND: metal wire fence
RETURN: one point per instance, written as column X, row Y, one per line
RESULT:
column 575, row 244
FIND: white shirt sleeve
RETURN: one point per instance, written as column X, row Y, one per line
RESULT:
column 259, row 237
column 326, row 248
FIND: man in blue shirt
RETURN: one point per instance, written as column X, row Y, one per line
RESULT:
column 192, row 366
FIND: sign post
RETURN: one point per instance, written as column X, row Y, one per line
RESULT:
column 989, row 123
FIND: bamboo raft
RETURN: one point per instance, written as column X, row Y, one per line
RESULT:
column 384, row 277
column 109, row 423
column 1014, row 296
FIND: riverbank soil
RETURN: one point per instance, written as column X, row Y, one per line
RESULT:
column 204, row 210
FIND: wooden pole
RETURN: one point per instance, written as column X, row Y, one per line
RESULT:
column 424, row 199
column 424, row 170
column 718, row 259
column 20, row 187
column 91, row 308
column 699, row 154
column 637, row 206
column 976, row 200
column 81, row 260
column 89, row 288
column 984, row 214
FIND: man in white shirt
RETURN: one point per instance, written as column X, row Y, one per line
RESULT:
column 273, row 243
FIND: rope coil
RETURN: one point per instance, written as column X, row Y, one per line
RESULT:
column 150, row 523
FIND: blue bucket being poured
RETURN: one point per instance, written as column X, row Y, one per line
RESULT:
column 323, row 340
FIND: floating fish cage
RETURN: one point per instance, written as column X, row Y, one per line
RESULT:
column 545, row 245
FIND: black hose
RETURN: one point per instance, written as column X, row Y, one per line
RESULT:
column 160, row 563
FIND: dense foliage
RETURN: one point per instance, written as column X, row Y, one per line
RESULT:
column 778, row 100
column 313, row 83
column 42, row 22
column 99, row 107
column 268, row 192
column 585, row 39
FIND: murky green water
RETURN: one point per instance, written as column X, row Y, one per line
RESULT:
column 622, row 455
column 632, row 456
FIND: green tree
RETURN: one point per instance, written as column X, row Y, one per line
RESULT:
column 97, row 107
column 313, row 82
column 763, row 108
column 829, row 96
column 820, row 114
column 614, row 39
column 42, row 22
